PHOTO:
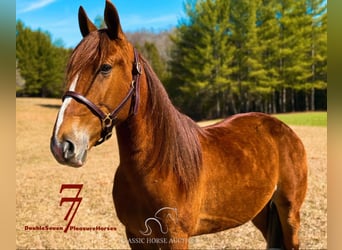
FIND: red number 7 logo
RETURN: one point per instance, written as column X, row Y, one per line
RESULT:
column 74, row 200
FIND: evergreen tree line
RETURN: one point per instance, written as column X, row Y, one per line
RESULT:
column 224, row 57
column 232, row 56
column 40, row 63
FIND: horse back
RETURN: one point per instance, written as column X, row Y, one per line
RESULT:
column 261, row 138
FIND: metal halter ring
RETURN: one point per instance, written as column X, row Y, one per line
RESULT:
column 107, row 122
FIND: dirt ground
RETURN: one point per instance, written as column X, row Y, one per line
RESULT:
column 39, row 178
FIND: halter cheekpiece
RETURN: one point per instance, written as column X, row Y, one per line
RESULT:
column 109, row 120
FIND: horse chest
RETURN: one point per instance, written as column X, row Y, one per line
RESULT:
column 134, row 200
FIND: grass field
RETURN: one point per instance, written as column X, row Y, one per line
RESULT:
column 304, row 119
column 39, row 178
column 296, row 119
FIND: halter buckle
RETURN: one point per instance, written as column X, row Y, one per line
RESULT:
column 137, row 68
column 104, row 138
column 107, row 136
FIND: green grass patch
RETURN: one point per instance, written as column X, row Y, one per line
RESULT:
column 304, row 119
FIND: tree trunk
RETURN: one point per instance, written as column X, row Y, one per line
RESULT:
column 218, row 106
column 284, row 100
column 293, row 100
column 307, row 106
column 313, row 108
column 274, row 102
column 235, row 111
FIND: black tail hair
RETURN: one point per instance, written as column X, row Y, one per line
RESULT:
column 274, row 231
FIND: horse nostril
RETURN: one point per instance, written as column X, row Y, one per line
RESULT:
column 68, row 149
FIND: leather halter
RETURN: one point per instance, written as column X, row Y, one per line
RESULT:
column 109, row 120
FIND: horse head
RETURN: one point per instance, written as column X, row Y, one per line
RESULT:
column 101, row 89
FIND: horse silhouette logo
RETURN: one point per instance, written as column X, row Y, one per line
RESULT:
column 171, row 214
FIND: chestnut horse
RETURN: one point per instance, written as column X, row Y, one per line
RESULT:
column 175, row 179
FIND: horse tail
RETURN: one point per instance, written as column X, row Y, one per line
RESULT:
column 274, row 231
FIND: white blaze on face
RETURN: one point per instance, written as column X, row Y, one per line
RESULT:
column 65, row 104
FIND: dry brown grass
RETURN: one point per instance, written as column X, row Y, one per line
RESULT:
column 39, row 177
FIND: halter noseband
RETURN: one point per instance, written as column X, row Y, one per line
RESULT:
column 109, row 120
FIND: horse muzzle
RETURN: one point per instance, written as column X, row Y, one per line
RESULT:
column 68, row 152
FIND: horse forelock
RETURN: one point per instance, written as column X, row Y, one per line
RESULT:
column 176, row 135
column 85, row 52
column 92, row 51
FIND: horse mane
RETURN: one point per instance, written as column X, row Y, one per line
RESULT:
column 176, row 135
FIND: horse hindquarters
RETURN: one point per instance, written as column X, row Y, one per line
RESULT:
column 292, row 186
column 284, row 208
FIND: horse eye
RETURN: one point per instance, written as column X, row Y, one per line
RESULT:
column 106, row 68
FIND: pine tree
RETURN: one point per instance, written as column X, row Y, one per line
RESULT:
column 286, row 44
column 295, row 47
column 249, row 70
column 317, row 10
column 202, row 56
column 255, row 73
column 301, row 64
column 238, row 18
column 268, row 35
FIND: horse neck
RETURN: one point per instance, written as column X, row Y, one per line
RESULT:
column 158, row 136
column 134, row 132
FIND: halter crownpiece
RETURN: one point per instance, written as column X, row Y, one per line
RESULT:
column 109, row 120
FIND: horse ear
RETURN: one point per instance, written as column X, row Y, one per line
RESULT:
column 112, row 21
column 86, row 26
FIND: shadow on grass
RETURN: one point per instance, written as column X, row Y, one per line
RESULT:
column 53, row 106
